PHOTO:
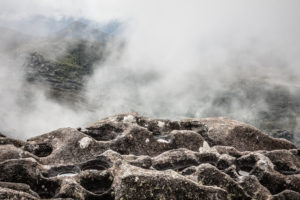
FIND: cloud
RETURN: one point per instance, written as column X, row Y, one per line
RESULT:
column 179, row 59
column 195, row 51
column 91, row 9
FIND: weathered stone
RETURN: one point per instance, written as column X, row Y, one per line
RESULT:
column 137, row 183
column 19, row 187
column 207, row 174
column 17, row 143
column 12, row 152
column 128, row 156
column 10, row 194
column 284, row 161
column 243, row 137
column 287, row 195
column 253, row 187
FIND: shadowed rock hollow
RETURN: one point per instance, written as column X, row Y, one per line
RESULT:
column 129, row 156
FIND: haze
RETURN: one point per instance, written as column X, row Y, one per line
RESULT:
column 178, row 59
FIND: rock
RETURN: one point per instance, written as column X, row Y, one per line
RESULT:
column 15, row 142
column 137, row 183
column 285, row 162
column 6, row 193
column 176, row 159
column 243, row 137
column 19, row 187
column 253, row 188
column 129, row 156
column 207, row 174
column 12, row 152
column 287, row 195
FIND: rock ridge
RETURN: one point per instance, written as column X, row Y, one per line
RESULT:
column 128, row 156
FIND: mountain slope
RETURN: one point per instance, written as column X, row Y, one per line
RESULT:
column 60, row 62
column 65, row 73
column 79, row 30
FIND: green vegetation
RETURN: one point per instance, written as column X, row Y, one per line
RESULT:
column 65, row 74
column 70, row 59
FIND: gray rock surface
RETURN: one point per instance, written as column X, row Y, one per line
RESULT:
column 129, row 156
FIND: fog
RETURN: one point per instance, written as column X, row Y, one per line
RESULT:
column 179, row 57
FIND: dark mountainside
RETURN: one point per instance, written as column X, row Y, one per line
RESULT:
column 65, row 72
column 79, row 30
column 66, row 75
column 129, row 156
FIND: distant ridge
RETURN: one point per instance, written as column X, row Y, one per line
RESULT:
column 12, row 39
column 79, row 30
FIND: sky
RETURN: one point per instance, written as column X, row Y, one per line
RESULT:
column 179, row 55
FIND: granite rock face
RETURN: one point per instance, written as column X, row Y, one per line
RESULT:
column 129, row 156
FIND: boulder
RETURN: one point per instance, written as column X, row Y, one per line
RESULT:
column 243, row 137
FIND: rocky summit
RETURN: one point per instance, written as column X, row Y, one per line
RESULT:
column 129, row 156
